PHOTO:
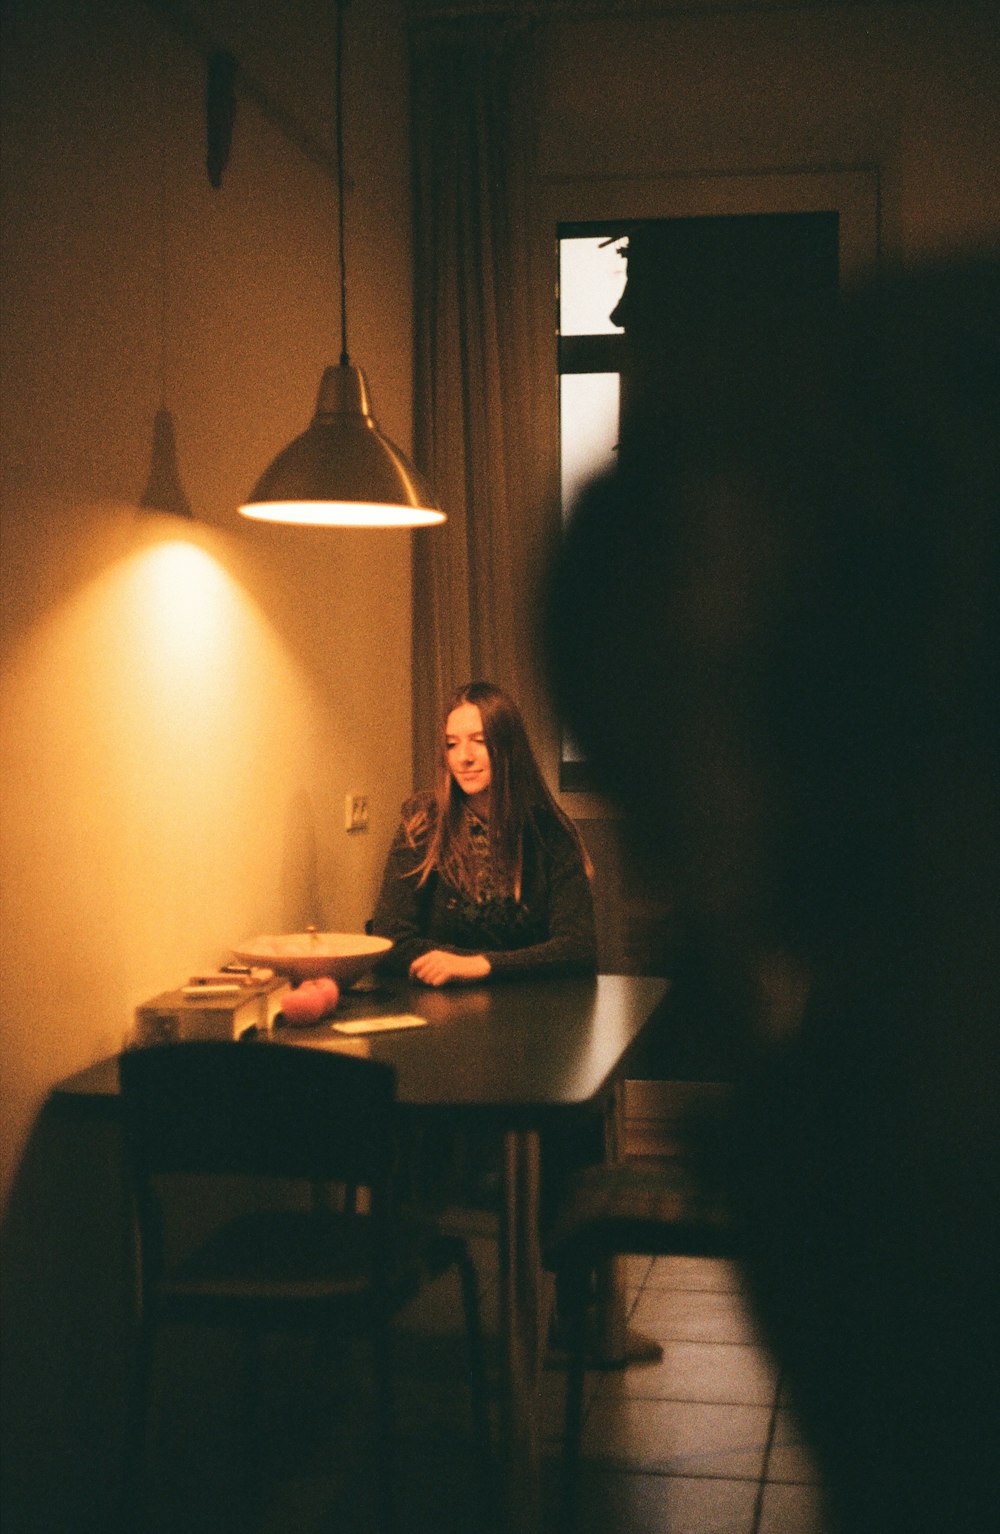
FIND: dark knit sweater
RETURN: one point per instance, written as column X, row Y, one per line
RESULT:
column 549, row 930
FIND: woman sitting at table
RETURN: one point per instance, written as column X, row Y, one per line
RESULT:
column 487, row 878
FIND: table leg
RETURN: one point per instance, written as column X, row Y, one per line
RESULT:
column 610, row 1310
column 522, row 1321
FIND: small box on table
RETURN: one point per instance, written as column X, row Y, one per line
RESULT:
column 181, row 1015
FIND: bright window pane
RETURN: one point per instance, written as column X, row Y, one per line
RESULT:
column 592, row 273
column 588, row 427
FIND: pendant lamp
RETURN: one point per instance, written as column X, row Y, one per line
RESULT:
column 342, row 471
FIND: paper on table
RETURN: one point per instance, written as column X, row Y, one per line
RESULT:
column 381, row 1024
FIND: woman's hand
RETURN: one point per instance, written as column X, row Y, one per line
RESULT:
column 440, row 968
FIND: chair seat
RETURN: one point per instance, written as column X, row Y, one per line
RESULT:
column 324, row 1257
column 632, row 1206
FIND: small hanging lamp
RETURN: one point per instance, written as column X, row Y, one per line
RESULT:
column 164, row 490
column 342, row 471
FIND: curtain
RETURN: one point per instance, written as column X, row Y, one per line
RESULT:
column 476, row 432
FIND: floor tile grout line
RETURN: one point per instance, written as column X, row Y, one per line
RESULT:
column 655, row 1473
column 758, row 1509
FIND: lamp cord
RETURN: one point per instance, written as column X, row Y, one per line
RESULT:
column 162, row 220
column 339, row 121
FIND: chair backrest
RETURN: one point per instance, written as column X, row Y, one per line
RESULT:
column 258, row 1110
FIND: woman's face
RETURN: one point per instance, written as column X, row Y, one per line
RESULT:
column 466, row 754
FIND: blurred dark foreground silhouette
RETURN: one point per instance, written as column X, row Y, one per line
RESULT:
column 775, row 633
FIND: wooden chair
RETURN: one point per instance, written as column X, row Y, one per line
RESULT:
column 273, row 1113
column 675, row 1205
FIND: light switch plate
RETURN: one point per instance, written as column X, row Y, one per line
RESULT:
column 356, row 812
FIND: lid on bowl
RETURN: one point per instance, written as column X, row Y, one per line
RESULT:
column 310, row 945
column 344, row 955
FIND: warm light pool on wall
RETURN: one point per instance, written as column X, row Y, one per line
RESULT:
column 342, row 471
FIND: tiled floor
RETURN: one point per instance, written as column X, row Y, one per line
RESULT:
column 696, row 1444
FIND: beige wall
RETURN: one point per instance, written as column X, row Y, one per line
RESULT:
column 911, row 89
column 185, row 705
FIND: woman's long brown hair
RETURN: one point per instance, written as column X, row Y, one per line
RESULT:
column 517, row 791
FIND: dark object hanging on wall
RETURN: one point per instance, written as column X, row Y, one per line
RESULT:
column 164, row 491
column 220, row 113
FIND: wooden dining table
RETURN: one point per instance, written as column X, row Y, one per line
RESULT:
column 518, row 1057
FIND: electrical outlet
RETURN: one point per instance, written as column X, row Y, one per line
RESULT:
column 356, row 812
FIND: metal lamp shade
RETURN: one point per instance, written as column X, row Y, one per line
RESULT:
column 342, row 472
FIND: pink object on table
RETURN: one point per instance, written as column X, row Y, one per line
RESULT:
column 311, row 1001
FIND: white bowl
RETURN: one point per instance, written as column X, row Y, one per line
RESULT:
column 306, row 955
